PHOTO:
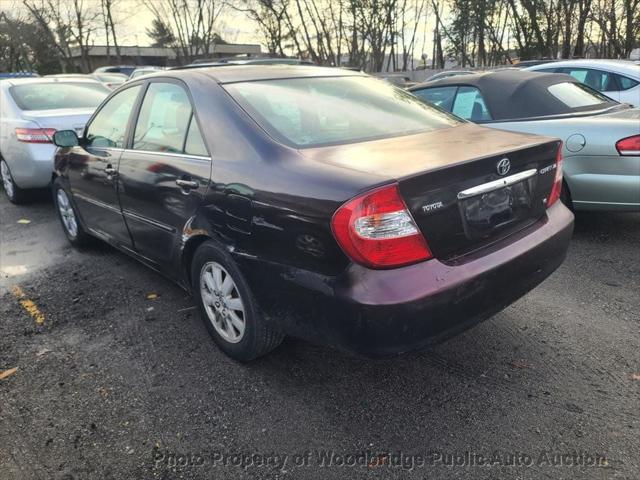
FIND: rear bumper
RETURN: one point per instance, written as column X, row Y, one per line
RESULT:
column 385, row 312
column 31, row 164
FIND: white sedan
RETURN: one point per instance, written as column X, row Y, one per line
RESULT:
column 31, row 110
column 617, row 79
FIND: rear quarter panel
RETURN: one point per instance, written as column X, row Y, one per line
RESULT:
column 597, row 176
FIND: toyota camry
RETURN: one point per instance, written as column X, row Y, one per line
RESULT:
column 314, row 202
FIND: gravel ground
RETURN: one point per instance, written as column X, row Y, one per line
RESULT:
column 116, row 385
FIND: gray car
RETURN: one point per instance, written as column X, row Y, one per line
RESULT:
column 601, row 137
column 31, row 110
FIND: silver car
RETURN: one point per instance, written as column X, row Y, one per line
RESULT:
column 31, row 110
column 601, row 138
column 617, row 79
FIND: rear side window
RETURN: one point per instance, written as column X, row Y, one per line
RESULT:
column 470, row 105
column 596, row 79
column 195, row 144
column 55, row 95
column 319, row 111
column 163, row 120
column 626, row 83
column 108, row 127
column 439, row 96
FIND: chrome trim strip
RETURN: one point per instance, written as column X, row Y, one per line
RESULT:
column 496, row 184
column 140, row 218
column 169, row 154
column 95, row 202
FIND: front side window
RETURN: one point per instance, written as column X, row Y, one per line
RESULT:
column 57, row 95
column 439, row 96
column 318, row 111
column 108, row 128
column 164, row 119
column 470, row 105
column 576, row 95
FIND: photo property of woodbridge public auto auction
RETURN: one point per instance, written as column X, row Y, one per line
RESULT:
column 319, row 239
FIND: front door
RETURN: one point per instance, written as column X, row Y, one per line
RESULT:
column 164, row 174
column 93, row 168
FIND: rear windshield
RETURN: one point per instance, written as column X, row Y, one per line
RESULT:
column 309, row 112
column 51, row 96
column 577, row 95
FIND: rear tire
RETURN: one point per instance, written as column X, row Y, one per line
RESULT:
column 68, row 216
column 227, row 306
column 15, row 194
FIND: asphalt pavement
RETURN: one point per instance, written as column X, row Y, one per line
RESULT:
column 107, row 372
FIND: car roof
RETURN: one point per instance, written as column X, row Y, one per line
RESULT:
column 627, row 66
column 24, row 81
column 249, row 73
column 511, row 94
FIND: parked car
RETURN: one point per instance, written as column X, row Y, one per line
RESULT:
column 447, row 74
column 601, row 137
column 617, row 79
column 126, row 70
column 222, row 62
column 18, row 75
column 109, row 80
column 531, row 63
column 315, row 202
column 399, row 80
column 31, row 110
column 138, row 72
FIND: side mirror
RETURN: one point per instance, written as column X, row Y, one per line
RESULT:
column 66, row 138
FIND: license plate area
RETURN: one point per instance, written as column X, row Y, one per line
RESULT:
column 486, row 212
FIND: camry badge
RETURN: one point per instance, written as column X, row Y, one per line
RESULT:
column 503, row 166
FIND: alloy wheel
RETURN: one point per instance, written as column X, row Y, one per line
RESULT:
column 67, row 214
column 222, row 302
column 7, row 181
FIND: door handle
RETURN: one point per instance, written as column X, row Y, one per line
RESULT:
column 109, row 170
column 187, row 184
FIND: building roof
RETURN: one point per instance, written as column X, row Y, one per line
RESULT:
column 170, row 53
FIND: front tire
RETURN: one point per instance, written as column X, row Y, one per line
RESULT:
column 227, row 306
column 68, row 216
column 15, row 194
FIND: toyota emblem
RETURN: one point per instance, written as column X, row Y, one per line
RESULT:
column 503, row 166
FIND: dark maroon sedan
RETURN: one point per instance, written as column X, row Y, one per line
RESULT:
column 314, row 202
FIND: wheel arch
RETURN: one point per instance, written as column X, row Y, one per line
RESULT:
column 188, row 251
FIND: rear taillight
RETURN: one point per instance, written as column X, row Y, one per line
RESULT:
column 556, row 189
column 375, row 229
column 35, row 135
column 629, row 146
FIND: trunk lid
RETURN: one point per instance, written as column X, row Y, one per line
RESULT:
column 451, row 183
column 61, row 119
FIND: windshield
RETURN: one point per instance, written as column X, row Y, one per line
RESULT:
column 51, row 96
column 308, row 112
column 577, row 95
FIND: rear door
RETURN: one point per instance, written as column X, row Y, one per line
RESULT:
column 164, row 174
column 93, row 168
